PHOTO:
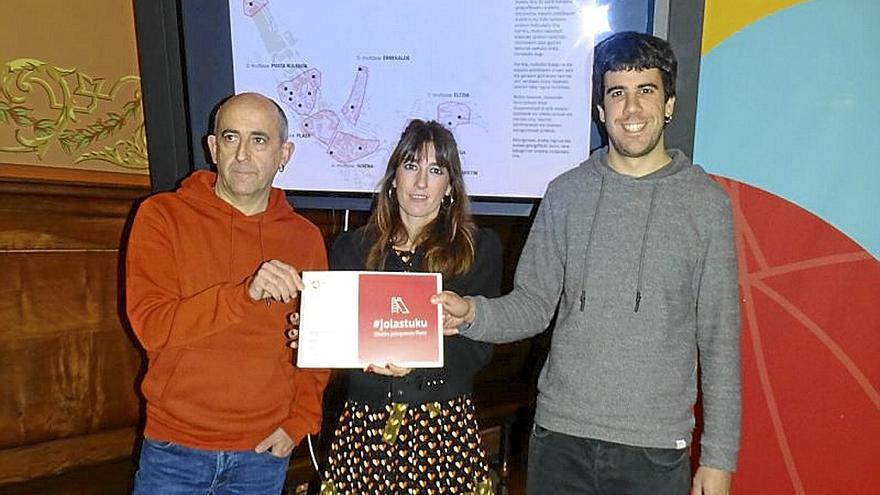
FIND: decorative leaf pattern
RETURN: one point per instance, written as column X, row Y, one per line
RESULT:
column 75, row 96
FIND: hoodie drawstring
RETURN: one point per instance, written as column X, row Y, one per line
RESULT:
column 644, row 248
column 651, row 206
column 590, row 243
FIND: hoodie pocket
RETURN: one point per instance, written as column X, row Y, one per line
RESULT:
column 218, row 390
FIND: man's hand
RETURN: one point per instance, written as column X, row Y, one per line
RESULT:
column 457, row 310
column 711, row 481
column 293, row 330
column 276, row 281
column 278, row 443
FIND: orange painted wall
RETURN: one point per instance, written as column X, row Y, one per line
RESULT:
column 70, row 102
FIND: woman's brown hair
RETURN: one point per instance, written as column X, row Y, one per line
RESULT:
column 448, row 241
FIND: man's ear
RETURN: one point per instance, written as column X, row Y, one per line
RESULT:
column 669, row 108
column 212, row 147
column 287, row 150
column 601, row 112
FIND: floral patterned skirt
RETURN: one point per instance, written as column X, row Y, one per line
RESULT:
column 431, row 448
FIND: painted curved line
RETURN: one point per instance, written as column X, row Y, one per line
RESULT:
column 767, row 389
column 755, row 280
column 741, row 225
column 744, row 228
column 834, row 259
column 752, row 240
column 824, row 338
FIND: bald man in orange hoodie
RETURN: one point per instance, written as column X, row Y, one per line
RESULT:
column 212, row 277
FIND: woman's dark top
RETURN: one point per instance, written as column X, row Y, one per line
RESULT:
column 463, row 357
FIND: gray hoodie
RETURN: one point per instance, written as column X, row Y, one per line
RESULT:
column 643, row 271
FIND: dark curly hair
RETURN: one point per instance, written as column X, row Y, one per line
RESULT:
column 630, row 50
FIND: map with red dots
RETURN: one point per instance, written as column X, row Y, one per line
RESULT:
column 452, row 114
column 300, row 95
column 350, row 75
column 352, row 108
column 251, row 7
column 301, row 92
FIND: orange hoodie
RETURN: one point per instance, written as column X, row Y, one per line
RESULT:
column 219, row 373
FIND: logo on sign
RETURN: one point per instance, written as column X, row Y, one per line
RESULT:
column 398, row 306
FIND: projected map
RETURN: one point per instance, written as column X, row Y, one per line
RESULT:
column 351, row 74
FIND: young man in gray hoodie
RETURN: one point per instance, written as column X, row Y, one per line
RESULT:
column 633, row 251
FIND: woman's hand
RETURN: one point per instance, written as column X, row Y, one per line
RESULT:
column 387, row 370
column 293, row 330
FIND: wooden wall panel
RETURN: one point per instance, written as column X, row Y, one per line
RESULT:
column 69, row 368
column 48, row 458
column 44, row 216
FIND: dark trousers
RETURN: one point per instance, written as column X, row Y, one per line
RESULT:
column 562, row 464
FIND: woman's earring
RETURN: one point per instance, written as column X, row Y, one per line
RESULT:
column 667, row 119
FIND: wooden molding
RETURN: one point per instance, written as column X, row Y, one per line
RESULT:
column 41, row 188
column 48, row 458
column 37, row 215
column 62, row 175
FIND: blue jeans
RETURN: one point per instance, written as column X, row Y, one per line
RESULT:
column 170, row 469
column 561, row 464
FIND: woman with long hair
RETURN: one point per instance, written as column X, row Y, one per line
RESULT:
column 407, row 431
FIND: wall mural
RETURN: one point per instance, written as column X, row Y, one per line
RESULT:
column 786, row 113
column 89, row 119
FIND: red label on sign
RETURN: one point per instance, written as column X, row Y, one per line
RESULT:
column 396, row 320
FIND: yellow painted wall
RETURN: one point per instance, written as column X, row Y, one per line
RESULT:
column 725, row 17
